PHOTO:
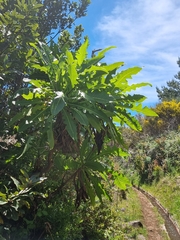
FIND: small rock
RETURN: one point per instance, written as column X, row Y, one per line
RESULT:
column 136, row 224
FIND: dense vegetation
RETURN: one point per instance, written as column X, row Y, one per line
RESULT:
column 154, row 152
column 153, row 162
column 58, row 136
column 67, row 136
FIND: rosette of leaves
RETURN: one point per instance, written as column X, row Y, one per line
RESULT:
column 71, row 103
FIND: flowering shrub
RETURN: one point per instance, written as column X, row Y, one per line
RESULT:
column 168, row 118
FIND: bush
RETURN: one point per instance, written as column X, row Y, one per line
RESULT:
column 168, row 118
column 154, row 157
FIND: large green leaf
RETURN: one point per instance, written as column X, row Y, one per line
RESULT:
column 93, row 110
column 112, row 67
column 126, row 118
column 126, row 74
column 114, row 133
column 57, row 104
column 101, row 53
column 96, row 68
column 144, row 110
column 50, row 134
column 80, row 117
column 84, row 149
column 70, row 124
column 72, row 68
column 136, row 98
column 16, row 182
column 27, row 146
column 97, row 96
column 94, row 60
column 122, row 182
column 91, row 62
column 97, row 112
column 135, row 86
column 100, row 191
column 88, row 186
column 73, row 74
column 94, row 121
column 82, row 52
column 94, row 165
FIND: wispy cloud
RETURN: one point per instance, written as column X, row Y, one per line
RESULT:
column 147, row 34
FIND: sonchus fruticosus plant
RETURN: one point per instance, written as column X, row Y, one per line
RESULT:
column 70, row 107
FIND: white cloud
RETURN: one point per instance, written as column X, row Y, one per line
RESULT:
column 146, row 33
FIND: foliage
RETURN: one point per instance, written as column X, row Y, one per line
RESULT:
column 172, row 90
column 63, row 110
column 18, row 26
column 55, row 16
column 155, row 157
column 112, row 222
column 58, row 116
column 15, row 203
column 25, row 21
column 60, row 222
column 65, row 120
column 168, row 118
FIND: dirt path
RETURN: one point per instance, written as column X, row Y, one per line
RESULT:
column 150, row 221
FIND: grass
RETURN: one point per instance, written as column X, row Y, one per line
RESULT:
column 126, row 211
column 167, row 191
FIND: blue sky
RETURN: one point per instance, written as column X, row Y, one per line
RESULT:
column 146, row 33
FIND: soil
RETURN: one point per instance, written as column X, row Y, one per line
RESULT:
column 150, row 219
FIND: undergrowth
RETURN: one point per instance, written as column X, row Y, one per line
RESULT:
column 126, row 210
column 111, row 221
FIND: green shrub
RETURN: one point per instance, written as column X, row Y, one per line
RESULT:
column 152, row 158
